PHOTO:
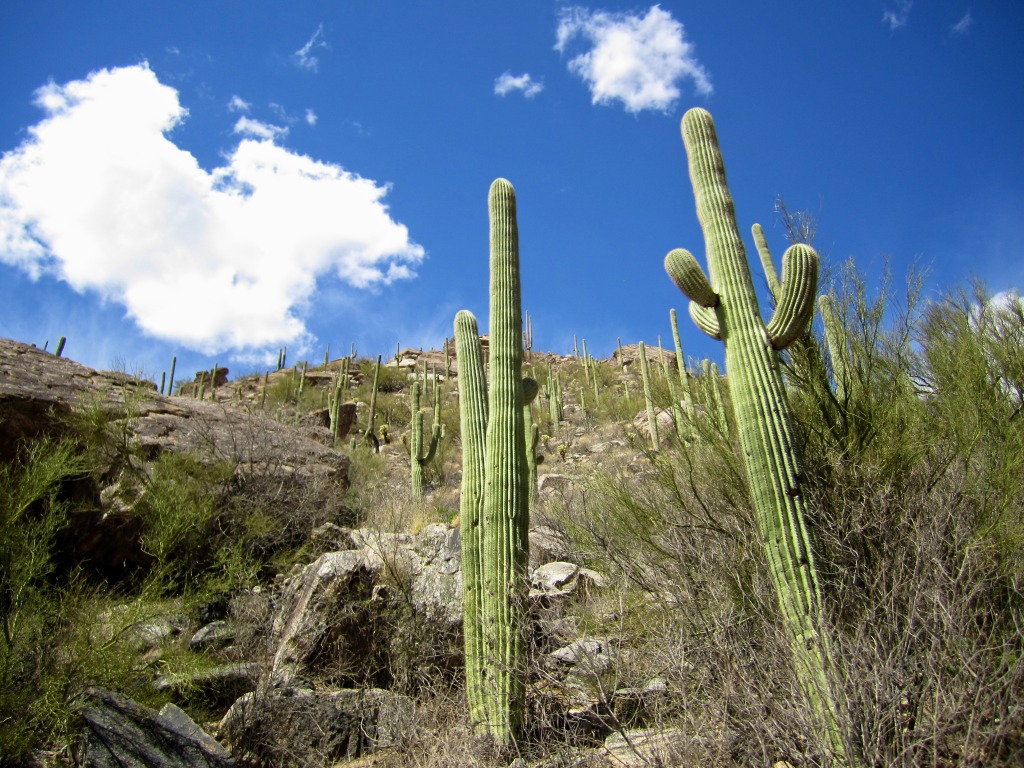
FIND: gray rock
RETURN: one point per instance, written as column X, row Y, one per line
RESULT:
column 319, row 728
column 588, row 655
column 216, row 634
column 552, row 482
column 313, row 615
column 553, row 577
column 119, row 733
column 644, row 747
column 344, row 617
column 559, row 579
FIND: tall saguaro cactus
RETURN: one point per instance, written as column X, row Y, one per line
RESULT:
column 495, row 494
column 726, row 308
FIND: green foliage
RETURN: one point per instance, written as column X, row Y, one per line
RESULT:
column 46, row 652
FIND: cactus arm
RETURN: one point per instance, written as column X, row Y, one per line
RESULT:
column 767, row 264
column 435, row 439
column 795, row 296
column 686, row 273
column 706, row 319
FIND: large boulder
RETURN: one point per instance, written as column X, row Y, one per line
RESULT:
column 344, row 618
column 315, row 729
column 119, row 733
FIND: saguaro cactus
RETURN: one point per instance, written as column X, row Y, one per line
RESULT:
column 726, row 308
column 838, row 348
column 417, row 459
column 494, row 528
column 652, row 416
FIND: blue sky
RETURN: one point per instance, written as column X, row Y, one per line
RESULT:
column 216, row 180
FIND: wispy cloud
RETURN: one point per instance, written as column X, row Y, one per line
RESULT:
column 637, row 60
column 305, row 57
column 963, row 26
column 227, row 259
column 310, row 117
column 897, row 17
column 525, row 84
column 238, row 104
column 257, row 129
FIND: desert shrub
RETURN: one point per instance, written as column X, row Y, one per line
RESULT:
column 914, row 469
column 919, row 513
column 48, row 647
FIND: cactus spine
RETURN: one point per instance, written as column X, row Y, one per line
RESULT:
column 726, row 307
column 496, row 541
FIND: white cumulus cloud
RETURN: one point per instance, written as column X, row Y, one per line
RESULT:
column 508, row 83
column 99, row 196
column 311, row 117
column 636, row 60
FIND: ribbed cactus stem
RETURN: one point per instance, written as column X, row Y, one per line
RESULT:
column 473, row 413
column 417, row 459
column 760, row 406
column 60, row 347
column 838, row 350
column 532, row 432
column 369, row 437
column 506, row 502
column 767, row 263
column 170, row 376
column 684, row 375
column 652, row 417
column 712, row 374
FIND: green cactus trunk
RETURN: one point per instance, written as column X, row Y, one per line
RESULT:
column 498, row 544
column 838, row 349
column 473, row 420
column 170, row 376
column 506, row 501
column 417, row 459
column 652, row 416
column 729, row 311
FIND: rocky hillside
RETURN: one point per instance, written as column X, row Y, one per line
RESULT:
column 217, row 578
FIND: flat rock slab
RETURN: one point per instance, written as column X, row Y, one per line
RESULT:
column 120, row 733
